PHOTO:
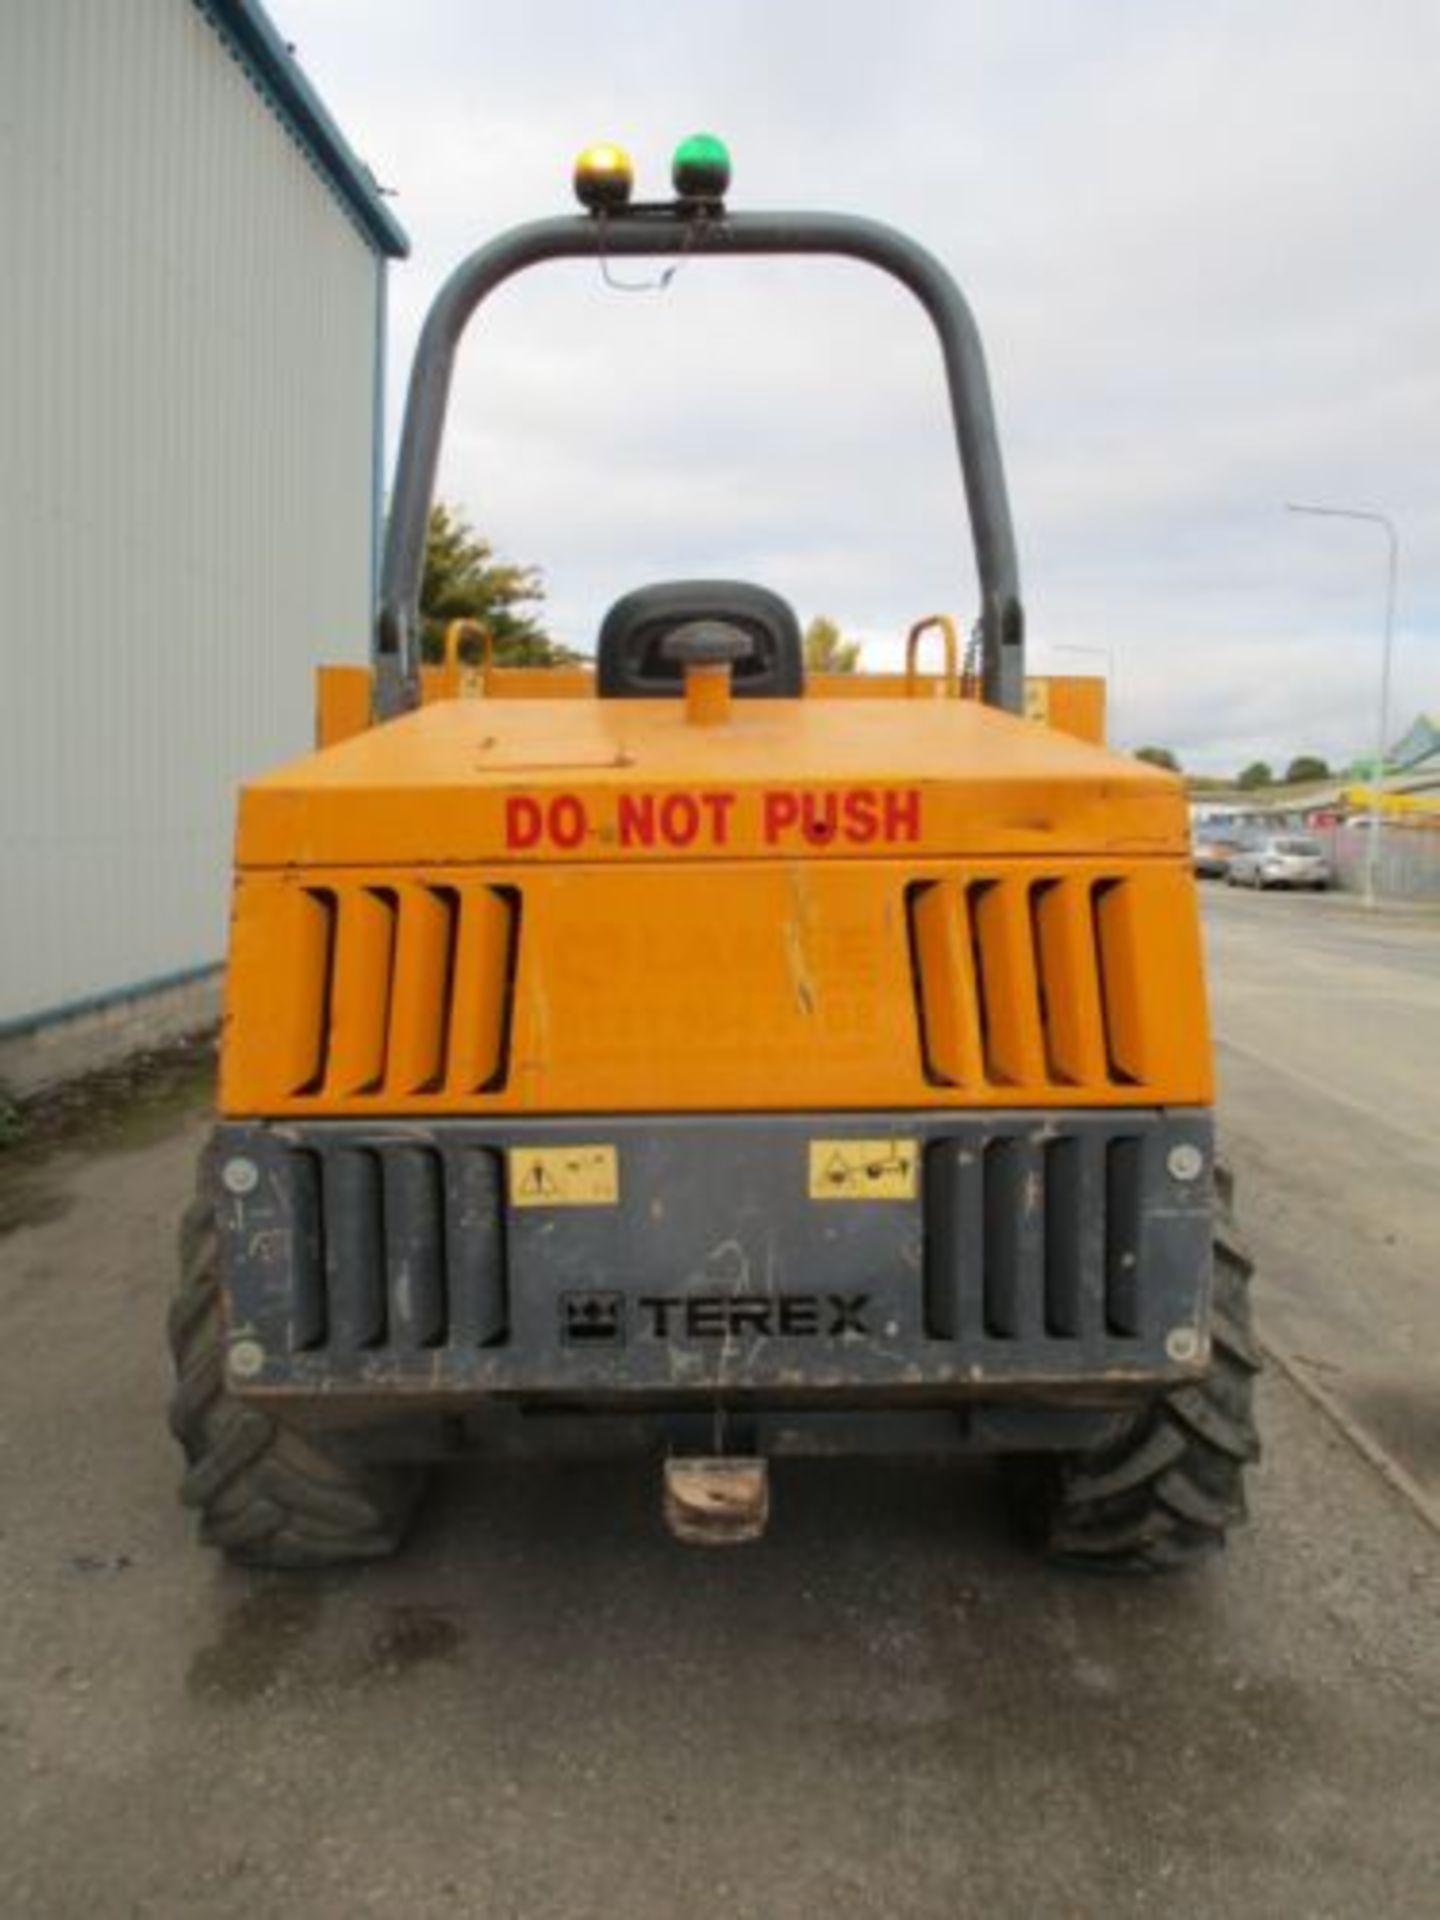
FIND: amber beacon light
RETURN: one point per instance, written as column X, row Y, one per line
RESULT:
column 604, row 177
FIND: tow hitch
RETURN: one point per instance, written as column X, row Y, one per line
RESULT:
column 716, row 1500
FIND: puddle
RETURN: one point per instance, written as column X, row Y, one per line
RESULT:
column 269, row 1642
column 257, row 1644
column 29, row 1198
column 412, row 1637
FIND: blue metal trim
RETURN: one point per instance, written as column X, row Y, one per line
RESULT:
column 101, row 1002
column 250, row 35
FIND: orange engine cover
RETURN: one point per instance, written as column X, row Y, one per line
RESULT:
column 589, row 906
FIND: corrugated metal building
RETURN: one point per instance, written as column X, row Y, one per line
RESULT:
column 191, row 339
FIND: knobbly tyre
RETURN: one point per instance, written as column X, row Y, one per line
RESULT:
column 685, row 1049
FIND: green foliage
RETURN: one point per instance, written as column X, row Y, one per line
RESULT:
column 1307, row 766
column 1257, row 774
column 12, row 1122
column 464, row 580
column 1158, row 757
column 826, row 651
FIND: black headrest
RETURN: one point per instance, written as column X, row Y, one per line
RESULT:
column 629, row 661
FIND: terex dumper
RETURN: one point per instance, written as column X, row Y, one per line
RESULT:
column 679, row 1048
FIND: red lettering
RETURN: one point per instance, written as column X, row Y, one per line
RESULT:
column 524, row 822
column 780, row 812
column 637, row 820
column 821, row 816
column 818, row 817
column 567, row 821
column 901, row 814
column 679, row 818
column 719, row 806
column 860, row 817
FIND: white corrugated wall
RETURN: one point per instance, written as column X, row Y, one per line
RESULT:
column 187, row 353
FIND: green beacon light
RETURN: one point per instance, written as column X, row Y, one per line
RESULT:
column 604, row 177
column 700, row 168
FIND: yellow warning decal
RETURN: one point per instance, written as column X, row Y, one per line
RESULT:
column 564, row 1177
column 864, row 1169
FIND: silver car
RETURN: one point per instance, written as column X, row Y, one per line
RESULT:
column 1280, row 860
column 1211, row 852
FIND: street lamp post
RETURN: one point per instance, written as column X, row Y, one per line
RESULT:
column 1377, row 784
column 1112, row 684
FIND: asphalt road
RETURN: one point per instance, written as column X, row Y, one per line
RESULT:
column 1328, row 1022
column 887, row 1708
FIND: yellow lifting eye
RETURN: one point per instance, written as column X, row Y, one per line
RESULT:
column 604, row 177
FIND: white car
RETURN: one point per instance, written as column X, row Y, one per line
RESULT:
column 1280, row 860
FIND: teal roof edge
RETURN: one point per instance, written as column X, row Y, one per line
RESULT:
column 251, row 37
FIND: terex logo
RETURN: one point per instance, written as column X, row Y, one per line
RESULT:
column 722, row 1316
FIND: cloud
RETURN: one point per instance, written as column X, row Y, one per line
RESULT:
column 1199, row 242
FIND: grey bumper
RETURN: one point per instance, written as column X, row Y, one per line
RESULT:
column 885, row 1259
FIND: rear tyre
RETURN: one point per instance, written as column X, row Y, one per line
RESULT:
column 267, row 1495
column 1165, row 1493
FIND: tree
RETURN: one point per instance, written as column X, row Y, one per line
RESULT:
column 1307, row 766
column 464, row 580
column 1257, row 774
column 826, row 651
column 1158, row 757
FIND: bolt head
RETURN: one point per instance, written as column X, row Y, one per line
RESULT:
column 240, row 1175
column 1185, row 1162
column 1183, row 1345
column 246, row 1359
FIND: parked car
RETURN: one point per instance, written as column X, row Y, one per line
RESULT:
column 1280, row 860
column 1211, row 852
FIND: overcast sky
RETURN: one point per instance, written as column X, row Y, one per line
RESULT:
column 1201, row 241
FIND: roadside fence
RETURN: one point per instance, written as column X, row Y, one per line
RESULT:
column 1407, row 866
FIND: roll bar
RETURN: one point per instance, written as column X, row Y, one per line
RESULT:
column 694, row 231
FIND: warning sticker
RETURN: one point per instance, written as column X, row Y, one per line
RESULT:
column 864, row 1169
column 564, row 1177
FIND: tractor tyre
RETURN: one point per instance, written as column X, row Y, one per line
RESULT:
column 267, row 1495
column 1164, row 1494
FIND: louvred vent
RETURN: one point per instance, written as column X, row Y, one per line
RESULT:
column 397, row 990
column 1027, row 983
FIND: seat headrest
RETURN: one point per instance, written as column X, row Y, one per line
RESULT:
column 630, row 659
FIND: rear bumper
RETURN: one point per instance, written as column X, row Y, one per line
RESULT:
column 875, row 1259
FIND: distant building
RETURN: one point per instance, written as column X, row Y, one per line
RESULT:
column 191, row 347
column 1415, row 759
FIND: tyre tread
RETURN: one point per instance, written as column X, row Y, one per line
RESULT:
column 1166, row 1493
column 267, row 1495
